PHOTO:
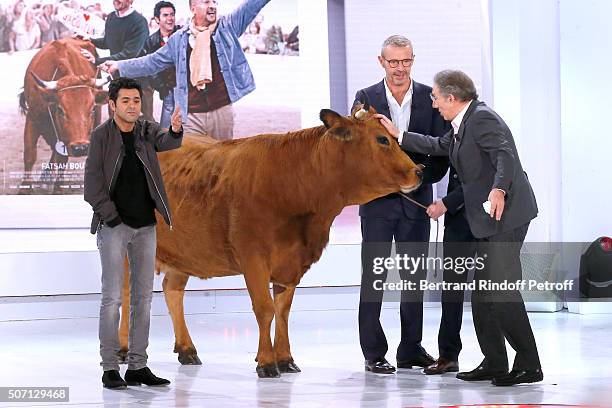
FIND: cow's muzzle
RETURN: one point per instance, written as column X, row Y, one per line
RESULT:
column 418, row 172
column 78, row 150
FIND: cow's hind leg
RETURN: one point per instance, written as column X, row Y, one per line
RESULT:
column 124, row 323
column 174, row 292
column 282, row 306
column 258, row 284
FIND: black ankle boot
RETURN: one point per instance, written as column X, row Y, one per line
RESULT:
column 112, row 379
column 144, row 376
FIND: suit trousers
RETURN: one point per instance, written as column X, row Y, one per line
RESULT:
column 458, row 243
column 412, row 239
column 501, row 315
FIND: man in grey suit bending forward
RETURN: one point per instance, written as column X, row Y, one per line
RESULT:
column 482, row 150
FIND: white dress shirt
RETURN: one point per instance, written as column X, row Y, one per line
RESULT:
column 400, row 113
column 456, row 123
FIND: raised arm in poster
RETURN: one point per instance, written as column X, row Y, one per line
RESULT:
column 212, row 71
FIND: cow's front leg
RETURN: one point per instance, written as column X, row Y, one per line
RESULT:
column 258, row 285
column 30, row 139
column 58, row 178
column 174, row 293
column 282, row 306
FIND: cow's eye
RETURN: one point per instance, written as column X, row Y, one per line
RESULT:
column 61, row 112
column 383, row 140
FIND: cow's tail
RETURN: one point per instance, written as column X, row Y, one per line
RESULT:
column 23, row 105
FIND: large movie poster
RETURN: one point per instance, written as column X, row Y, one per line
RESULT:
column 44, row 132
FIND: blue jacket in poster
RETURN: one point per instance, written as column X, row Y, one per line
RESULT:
column 234, row 66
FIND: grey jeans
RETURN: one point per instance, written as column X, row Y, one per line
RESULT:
column 139, row 245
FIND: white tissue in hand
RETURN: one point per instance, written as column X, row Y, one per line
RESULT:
column 487, row 207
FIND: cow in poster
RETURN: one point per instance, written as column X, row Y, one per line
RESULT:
column 61, row 100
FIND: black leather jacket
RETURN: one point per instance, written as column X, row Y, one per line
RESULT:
column 104, row 160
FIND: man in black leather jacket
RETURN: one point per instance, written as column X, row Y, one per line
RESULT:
column 123, row 184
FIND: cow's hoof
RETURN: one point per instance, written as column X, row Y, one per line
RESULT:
column 122, row 356
column 268, row 371
column 189, row 359
column 288, row 366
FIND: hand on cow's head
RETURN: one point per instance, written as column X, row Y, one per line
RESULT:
column 109, row 66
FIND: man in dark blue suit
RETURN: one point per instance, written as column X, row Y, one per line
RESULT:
column 391, row 217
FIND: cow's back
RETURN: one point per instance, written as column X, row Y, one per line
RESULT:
column 228, row 199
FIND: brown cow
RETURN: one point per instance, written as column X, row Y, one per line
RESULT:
column 263, row 207
column 61, row 99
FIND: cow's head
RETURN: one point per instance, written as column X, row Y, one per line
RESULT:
column 370, row 159
column 73, row 101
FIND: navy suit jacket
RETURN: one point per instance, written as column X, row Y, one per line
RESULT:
column 423, row 119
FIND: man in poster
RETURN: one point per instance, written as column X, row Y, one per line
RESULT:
column 212, row 71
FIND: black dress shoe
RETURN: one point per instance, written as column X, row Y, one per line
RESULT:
column 380, row 366
column 421, row 360
column 144, row 376
column 519, row 377
column 480, row 373
column 441, row 366
column 112, row 379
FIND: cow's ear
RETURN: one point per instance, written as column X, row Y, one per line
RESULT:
column 330, row 118
column 46, row 89
column 336, row 124
column 49, row 95
column 101, row 97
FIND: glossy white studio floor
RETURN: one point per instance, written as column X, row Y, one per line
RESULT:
column 575, row 352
